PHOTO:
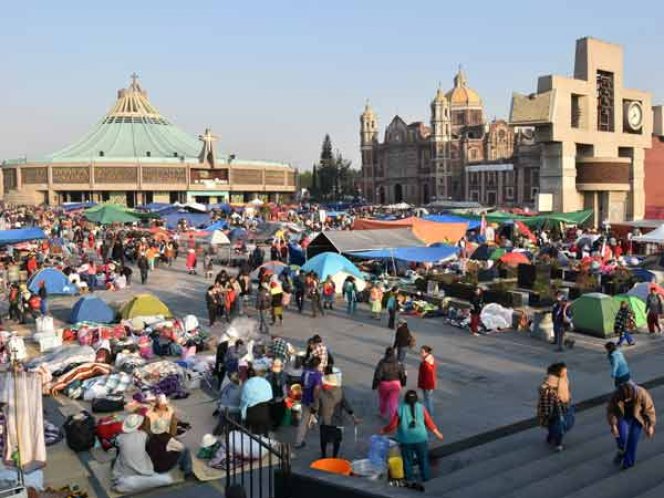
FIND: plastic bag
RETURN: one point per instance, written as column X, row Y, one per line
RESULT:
column 378, row 447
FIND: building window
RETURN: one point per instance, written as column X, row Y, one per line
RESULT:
column 533, row 192
column 575, row 111
column 474, row 196
column 605, row 98
column 509, row 193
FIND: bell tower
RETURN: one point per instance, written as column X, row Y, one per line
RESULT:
column 368, row 138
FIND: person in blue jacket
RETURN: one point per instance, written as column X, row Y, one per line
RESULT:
column 619, row 368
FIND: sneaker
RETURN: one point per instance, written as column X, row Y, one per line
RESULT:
column 559, row 448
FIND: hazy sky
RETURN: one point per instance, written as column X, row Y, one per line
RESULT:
column 271, row 77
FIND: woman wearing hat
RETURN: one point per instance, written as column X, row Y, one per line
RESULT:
column 165, row 451
column 132, row 459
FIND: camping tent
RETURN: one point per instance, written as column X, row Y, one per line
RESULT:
column 144, row 305
column 654, row 237
column 57, row 282
column 642, row 290
column 637, row 306
column 20, row 235
column 340, row 277
column 330, row 263
column 91, row 309
column 238, row 233
column 594, row 314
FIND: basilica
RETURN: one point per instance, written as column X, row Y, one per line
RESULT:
column 458, row 155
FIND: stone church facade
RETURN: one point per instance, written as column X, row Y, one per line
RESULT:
column 419, row 163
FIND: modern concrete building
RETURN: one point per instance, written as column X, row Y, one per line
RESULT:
column 133, row 156
column 593, row 132
column 654, row 168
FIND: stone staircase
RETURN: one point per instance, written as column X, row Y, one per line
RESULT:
column 523, row 465
column 23, row 197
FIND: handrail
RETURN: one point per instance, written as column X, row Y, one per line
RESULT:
column 228, row 420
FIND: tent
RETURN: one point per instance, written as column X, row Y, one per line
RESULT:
column 497, row 253
column 654, row 237
column 485, row 252
column 109, row 213
column 91, row 309
column 351, row 241
column 429, row 254
column 57, row 283
column 340, row 277
column 514, row 259
column 637, row 306
column 296, row 254
column 144, row 305
column 642, row 290
column 427, row 231
column 594, row 314
column 20, row 235
column 218, row 238
column 193, row 219
column 330, row 263
column 238, row 234
column 217, row 225
column 450, row 218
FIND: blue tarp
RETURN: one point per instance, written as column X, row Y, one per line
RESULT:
column 222, row 206
column 57, row 283
column 217, row 225
column 20, row 235
column 296, row 254
column 414, row 254
column 450, row 218
column 330, row 263
column 73, row 206
column 193, row 219
column 156, row 206
column 238, row 234
column 91, row 309
column 335, row 214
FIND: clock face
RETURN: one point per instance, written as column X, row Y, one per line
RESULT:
column 635, row 115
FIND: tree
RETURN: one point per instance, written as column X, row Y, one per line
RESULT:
column 333, row 176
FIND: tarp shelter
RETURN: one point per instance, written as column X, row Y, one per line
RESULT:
column 594, row 313
column 450, row 218
column 75, row 206
column 144, row 305
column 107, row 214
column 238, row 234
column 429, row 254
column 641, row 290
column 350, row 241
column 194, row 220
column 428, row 232
column 330, row 263
column 514, row 259
column 654, row 237
column 637, row 306
column 217, row 225
column 57, row 283
column 296, row 254
column 91, row 309
column 20, row 235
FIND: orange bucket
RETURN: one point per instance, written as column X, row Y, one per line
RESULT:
column 333, row 466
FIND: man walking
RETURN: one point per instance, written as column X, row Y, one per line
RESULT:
column 560, row 314
column 654, row 309
column 623, row 323
column 263, row 305
column 143, row 266
column 391, row 305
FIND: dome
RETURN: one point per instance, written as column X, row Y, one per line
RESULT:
column 461, row 94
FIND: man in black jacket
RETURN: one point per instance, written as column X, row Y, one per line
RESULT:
column 402, row 340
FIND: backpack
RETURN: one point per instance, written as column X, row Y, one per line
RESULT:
column 80, row 431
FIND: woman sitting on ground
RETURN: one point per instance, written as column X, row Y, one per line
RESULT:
column 161, row 413
column 132, row 459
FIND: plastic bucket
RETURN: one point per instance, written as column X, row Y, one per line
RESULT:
column 395, row 464
column 333, row 466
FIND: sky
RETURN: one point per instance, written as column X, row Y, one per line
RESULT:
column 272, row 77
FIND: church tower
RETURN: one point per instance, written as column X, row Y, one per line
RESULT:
column 368, row 138
column 440, row 118
column 440, row 138
column 368, row 127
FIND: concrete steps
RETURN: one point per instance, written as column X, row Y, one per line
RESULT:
column 523, row 466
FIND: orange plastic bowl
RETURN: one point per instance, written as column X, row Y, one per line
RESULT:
column 333, row 466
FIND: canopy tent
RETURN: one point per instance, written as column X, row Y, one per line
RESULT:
column 218, row 238
column 274, row 267
column 429, row 254
column 91, row 309
column 428, row 232
column 217, row 225
column 514, row 259
column 56, row 282
column 107, row 214
column 350, row 241
column 451, row 218
column 594, row 314
column 654, row 237
column 330, row 263
column 641, row 290
column 573, row 218
column 644, row 275
column 144, row 305
column 637, row 306
column 20, row 235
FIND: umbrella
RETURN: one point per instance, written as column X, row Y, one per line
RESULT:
column 482, row 253
column 514, row 259
column 637, row 306
column 497, row 253
column 642, row 290
column 237, row 234
column 586, row 240
column 108, row 214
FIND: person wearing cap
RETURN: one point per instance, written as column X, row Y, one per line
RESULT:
column 160, row 415
column 132, row 459
column 330, row 404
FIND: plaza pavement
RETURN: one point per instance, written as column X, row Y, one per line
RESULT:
column 485, row 382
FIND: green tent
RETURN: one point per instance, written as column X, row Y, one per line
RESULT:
column 144, row 305
column 638, row 308
column 497, row 253
column 108, row 214
column 594, row 313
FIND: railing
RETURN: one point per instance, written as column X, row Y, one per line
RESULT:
column 256, row 477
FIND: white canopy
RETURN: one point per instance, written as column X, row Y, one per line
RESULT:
column 654, row 237
column 219, row 238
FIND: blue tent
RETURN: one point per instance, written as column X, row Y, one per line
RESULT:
column 222, row 206
column 20, row 235
column 238, row 234
column 217, row 225
column 91, row 309
column 57, row 282
column 73, row 206
column 414, row 254
column 296, row 254
column 450, row 218
column 330, row 263
column 193, row 219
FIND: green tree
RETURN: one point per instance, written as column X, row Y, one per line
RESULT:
column 333, row 176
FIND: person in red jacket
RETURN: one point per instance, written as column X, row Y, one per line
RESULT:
column 426, row 377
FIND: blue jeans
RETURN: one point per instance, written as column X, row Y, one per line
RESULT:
column 411, row 451
column 184, row 462
column 401, row 354
column 43, row 306
column 629, row 430
column 559, row 334
column 263, row 327
column 427, row 400
column 351, row 306
column 625, row 336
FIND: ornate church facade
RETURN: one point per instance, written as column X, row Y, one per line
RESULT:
column 457, row 156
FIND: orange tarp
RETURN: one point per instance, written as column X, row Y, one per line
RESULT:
column 428, row 232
